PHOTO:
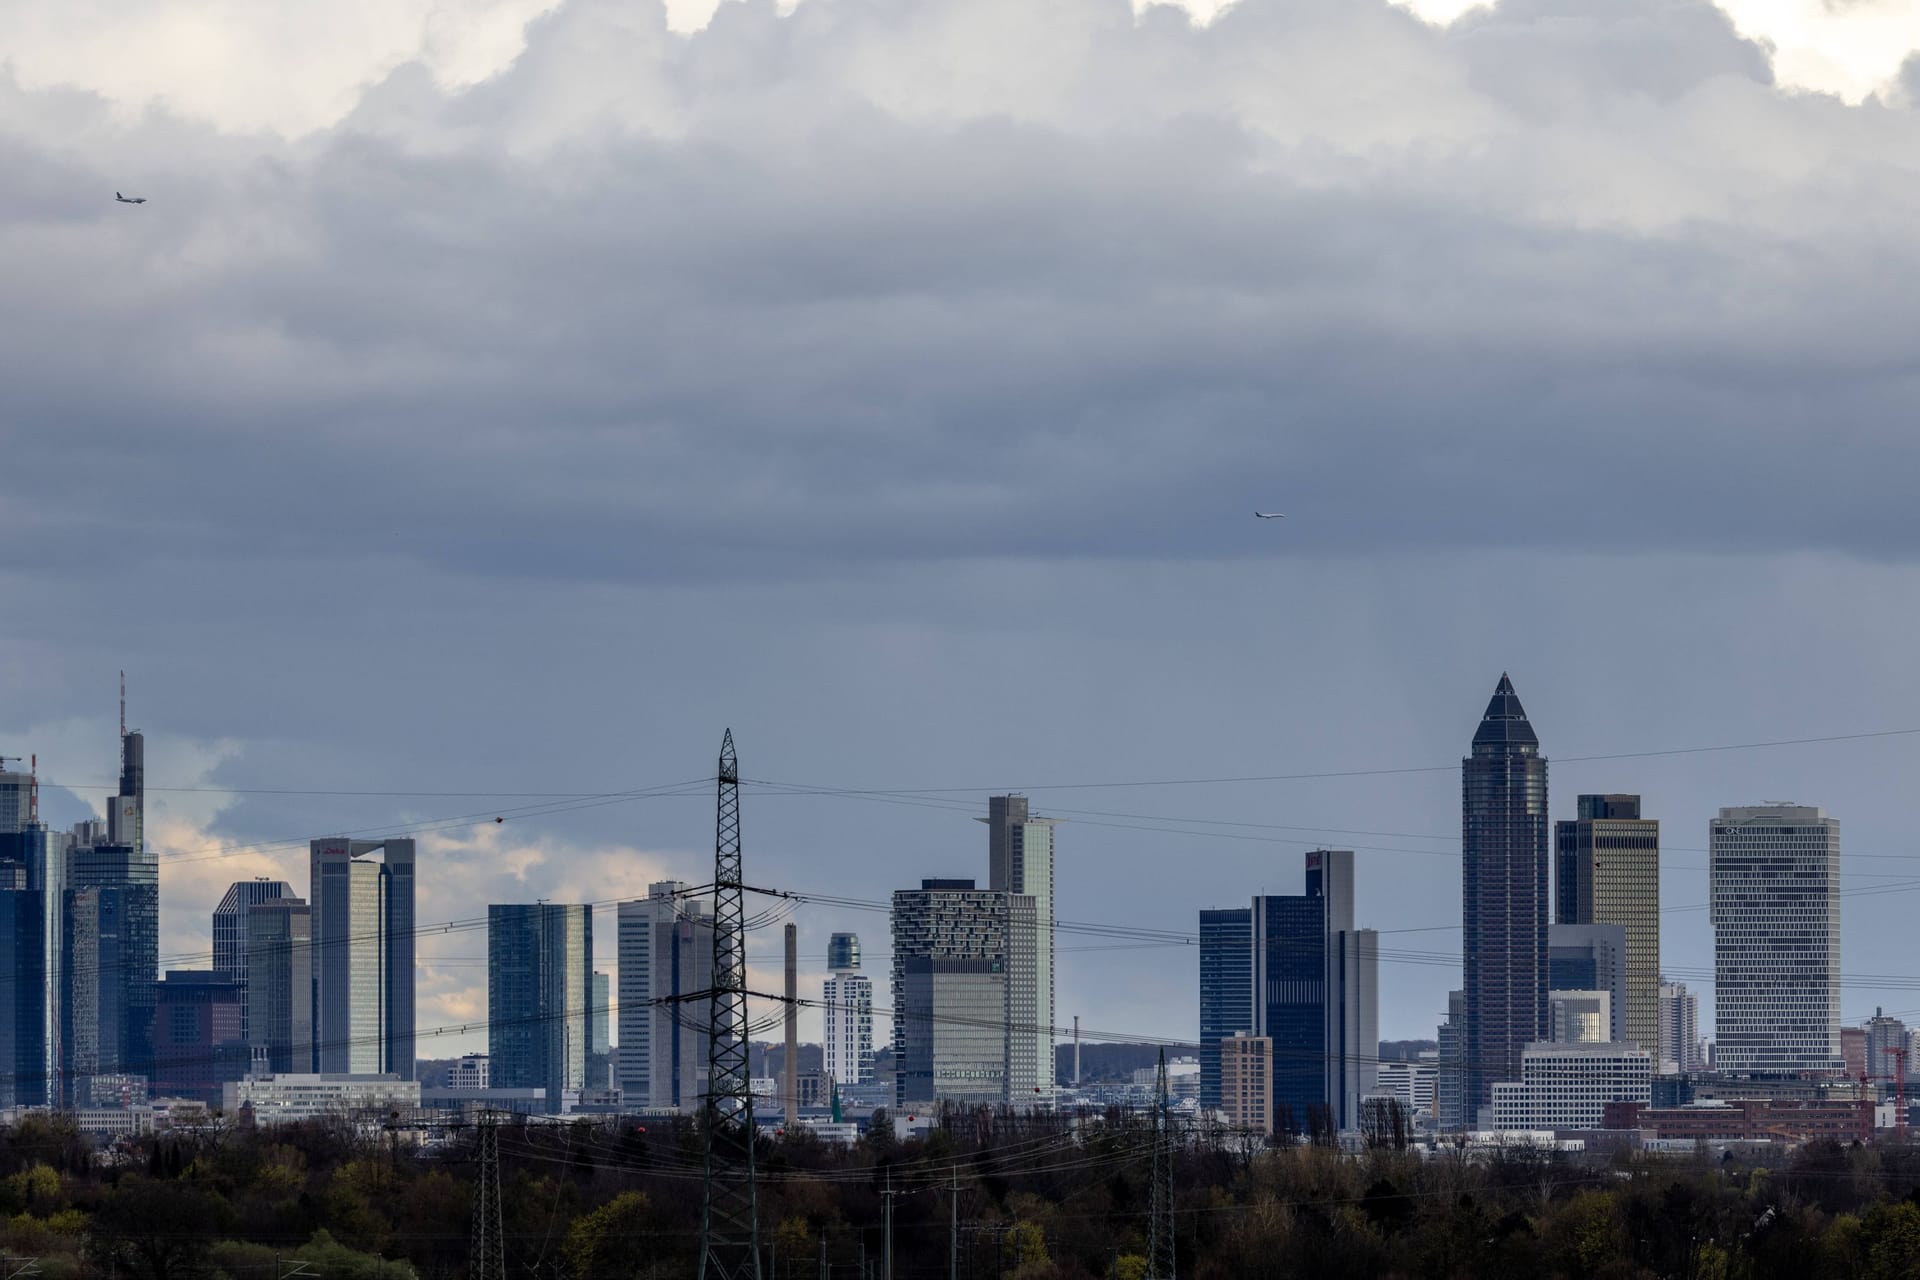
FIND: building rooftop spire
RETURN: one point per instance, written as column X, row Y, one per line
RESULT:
column 1505, row 723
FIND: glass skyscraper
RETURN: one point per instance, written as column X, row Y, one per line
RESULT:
column 1226, row 990
column 846, row 1002
column 230, row 931
column 363, row 955
column 539, row 997
column 1504, row 915
column 1020, row 862
column 665, row 950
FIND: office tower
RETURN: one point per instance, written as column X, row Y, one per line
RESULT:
column 599, row 1034
column 1315, row 994
column 125, row 990
column 539, row 991
column 1020, row 862
column 230, row 932
column 363, row 948
column 1775, row 872
column 963, row 993
column 196, row 1039
column 1591, row 957
column 1246, row 1084
column 1226, row 990
column 90, row 1022
column 1415, row 1084
column 1609, row 873
column 1580, row 1017
column 1679, row 1031
column 1450, row 1086
column 33, row 875
column 1853, row 1052
column 847, row 1014
column 665, row 947
column 1503, row 894
column 1884, row 1035
column 277, row 1000
column 16, row 790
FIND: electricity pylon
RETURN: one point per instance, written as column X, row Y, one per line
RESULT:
column 1160, row 1261
column 489, row 1244
column 729, row 1220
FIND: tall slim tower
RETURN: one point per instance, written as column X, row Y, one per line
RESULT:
column 666, row 962
column 1020, row 862
column 230, row 932
column 847, row 1014
column 1775, row 873
column 363, row 945
column 1608, row 864
column 1503, row 874
column 1226, row 990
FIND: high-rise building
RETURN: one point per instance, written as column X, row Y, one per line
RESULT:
column 1226, row 990
column 1315, row 984
column 1776, row 948
column 1504, row 912
column 1246, row 1084
column 1884, row 1035
column 600, row 1034
column 230, row 931
column 196, row 1039
column 1853, row 1052
column 1450, row 1083
column 126, row 989
column 33, row 875
column 539, row 997
column 665, row 951
column 363, row 949
column 1591, row 957
column 846, row 1002
column 1609, row 873
column 278, row 998
column 1020, row 862
column 1679, row 1031
column 16, row 790
column 963, row 991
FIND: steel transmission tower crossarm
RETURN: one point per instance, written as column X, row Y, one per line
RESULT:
column 729, row 1220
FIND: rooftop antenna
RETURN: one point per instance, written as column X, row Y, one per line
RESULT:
column 123, row 704
column 33, row 791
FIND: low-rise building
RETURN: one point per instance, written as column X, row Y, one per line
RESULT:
column 1748, row 1120
column 289, row 1097
column 469, row 1072
column 1567, row 1086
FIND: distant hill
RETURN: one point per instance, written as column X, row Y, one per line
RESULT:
column 1113, row 1061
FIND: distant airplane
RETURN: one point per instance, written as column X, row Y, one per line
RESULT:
column 1270, row 515
column 129, row 199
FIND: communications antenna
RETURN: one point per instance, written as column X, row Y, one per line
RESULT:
column 729, row 1218
column 1160, row 1262
column 489, row 1244
column 123, row 704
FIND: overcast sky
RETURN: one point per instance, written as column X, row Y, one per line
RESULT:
column 496, row 397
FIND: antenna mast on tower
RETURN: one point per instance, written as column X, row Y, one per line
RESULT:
column 33, row 791
column 123, row 704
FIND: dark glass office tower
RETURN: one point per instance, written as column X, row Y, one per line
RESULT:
column 1226, row 990
column 129, row 925
column 1503, row 877
column 539, row 992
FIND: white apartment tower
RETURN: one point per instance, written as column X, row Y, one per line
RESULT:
column 1776, row 954
column 1020, row 863
column 847, row 1005
column 1679, row 1030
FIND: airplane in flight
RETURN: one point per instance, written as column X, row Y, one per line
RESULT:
column 1270, row 515
column 129, row 199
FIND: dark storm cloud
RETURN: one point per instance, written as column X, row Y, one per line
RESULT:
column 948, row 279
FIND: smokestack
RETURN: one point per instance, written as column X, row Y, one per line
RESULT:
column 792, row 1090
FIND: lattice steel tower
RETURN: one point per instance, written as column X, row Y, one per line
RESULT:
column 729, row 1221
column 1160, row 1261
column 489, row 1244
